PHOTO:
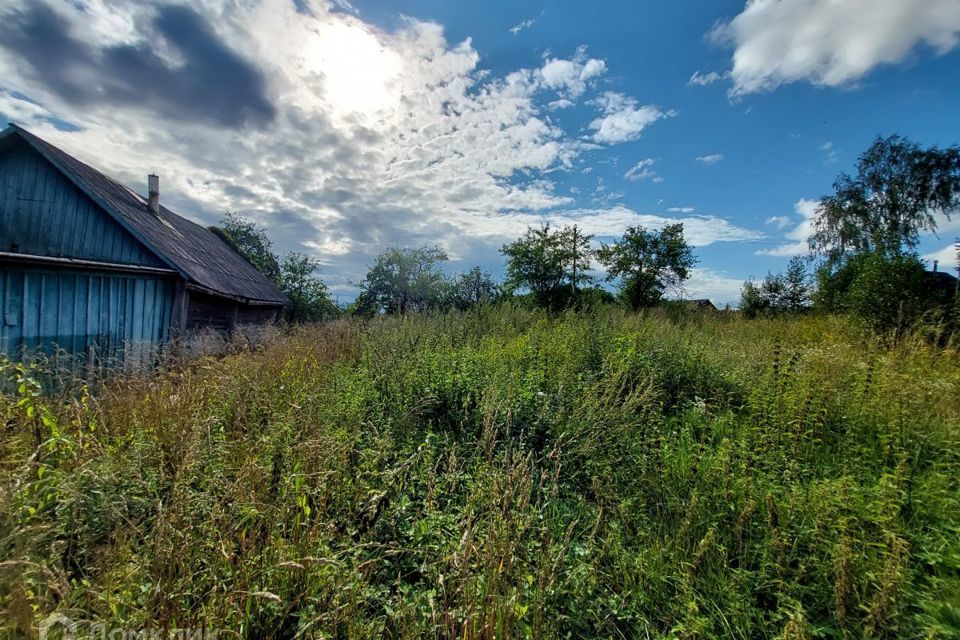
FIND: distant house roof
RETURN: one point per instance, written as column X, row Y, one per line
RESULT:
column 942, row 278
column 199, row 255
column 700, row 303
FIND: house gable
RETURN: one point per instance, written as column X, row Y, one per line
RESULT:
column 43, row 213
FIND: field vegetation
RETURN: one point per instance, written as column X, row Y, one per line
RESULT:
column 498, row 473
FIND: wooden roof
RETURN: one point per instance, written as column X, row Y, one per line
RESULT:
column 200, row 256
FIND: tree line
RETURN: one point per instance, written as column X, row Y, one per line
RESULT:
column 547, row 267
column 863, row 258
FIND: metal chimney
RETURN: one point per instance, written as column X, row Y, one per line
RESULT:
column 153, row 186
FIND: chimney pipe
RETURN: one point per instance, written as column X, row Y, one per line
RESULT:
column 153, row 185
column 936, row 263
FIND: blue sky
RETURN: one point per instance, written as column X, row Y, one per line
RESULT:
column 346, row 128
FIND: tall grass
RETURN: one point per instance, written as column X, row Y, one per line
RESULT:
column 500, row 474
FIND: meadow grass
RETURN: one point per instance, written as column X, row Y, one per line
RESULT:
column 500, row 473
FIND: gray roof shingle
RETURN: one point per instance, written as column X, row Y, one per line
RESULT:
column 198, row 254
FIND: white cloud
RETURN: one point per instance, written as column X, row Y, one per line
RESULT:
column 705, row 79
column 377, row 137
column 571, row 77
column 699, row 230
column 344, row 5
column 623, row 119
column 797, row 236
column 780, row 221
column 720, row 289
column 947, row 258
column 831, row 152
column 831, row 42
column 523, row 24
column 681, row 209
column 643, row 170
column 713, row 158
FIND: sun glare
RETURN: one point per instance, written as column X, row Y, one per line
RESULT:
column 358, row 69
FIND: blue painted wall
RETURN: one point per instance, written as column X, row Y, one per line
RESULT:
column 49, row 308
column 43, row 213
column 46, row 310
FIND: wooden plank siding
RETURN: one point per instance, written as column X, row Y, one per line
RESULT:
column 43, row 213
column 46, row 310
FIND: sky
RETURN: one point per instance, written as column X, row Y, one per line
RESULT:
column 346, row 128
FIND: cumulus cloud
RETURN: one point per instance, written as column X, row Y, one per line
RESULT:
column 643, row 170
column 205, row 78
column 719, row 288
column 571, row 77
column 340, row 137
column 713, row 158
column 796, row 237
column 623, row 119
column 680, row 209
column 831, row 43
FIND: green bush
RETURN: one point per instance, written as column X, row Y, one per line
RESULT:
column 889, row 295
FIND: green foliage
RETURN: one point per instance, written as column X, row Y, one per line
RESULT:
column 472, row 288
column 294, row 274
column 251, row 242
column 545, row 262
column 499, row 473
column 309, row 299
column 788, row 292
column 403, row 281
column 890, row 295
column 898, row 189
column 648, row 263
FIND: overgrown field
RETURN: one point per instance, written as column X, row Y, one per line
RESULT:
column 501, row 474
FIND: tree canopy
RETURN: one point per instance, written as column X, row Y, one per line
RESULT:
column 545, row 261
column 898, row 190
column 788, row 292
column 309, row 298
column 404, row 280
column 250, row 241
column 647, row 263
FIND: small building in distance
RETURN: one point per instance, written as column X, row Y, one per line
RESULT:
column 89, row 266
column 699, row 304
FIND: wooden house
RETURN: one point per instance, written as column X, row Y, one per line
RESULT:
column 699, row 304
column 88, row 264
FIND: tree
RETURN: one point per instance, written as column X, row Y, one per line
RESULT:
column 753, row 301
column 250, row 241
column 471, row 288
column 898, row 190
column 576, row 254
column 294, row 274
column 788, row 292
column 404, row 280
column 551, row 264
column 309, row 298
column 535, row 261
column 648, row 263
